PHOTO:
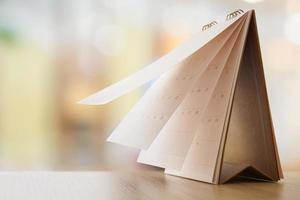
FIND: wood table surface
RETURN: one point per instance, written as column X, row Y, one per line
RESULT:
column 139, row 184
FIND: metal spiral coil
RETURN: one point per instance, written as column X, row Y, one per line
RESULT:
column 207, row 26
column 228, row 17
column 234, row 14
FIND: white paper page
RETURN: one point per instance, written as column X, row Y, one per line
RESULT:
column 143, row 123
column 158, row 67
column 171, row 145
column 201, row 159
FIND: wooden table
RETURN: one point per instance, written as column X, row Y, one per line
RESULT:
column 145, row 184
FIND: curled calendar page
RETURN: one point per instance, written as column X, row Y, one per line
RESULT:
column 207, row 115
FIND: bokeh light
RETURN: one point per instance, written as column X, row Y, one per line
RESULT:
column 53, row 53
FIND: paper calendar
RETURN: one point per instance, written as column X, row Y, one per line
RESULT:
column 207, row 115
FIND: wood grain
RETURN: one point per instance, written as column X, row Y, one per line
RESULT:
column 139, row 184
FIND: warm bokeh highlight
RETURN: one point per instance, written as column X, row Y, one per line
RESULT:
column 53, row 53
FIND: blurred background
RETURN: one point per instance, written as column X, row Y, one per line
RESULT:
column 55, row 52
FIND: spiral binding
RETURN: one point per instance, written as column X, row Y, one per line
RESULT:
column 207, row 26
column 228, row 17
column 234, row 14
